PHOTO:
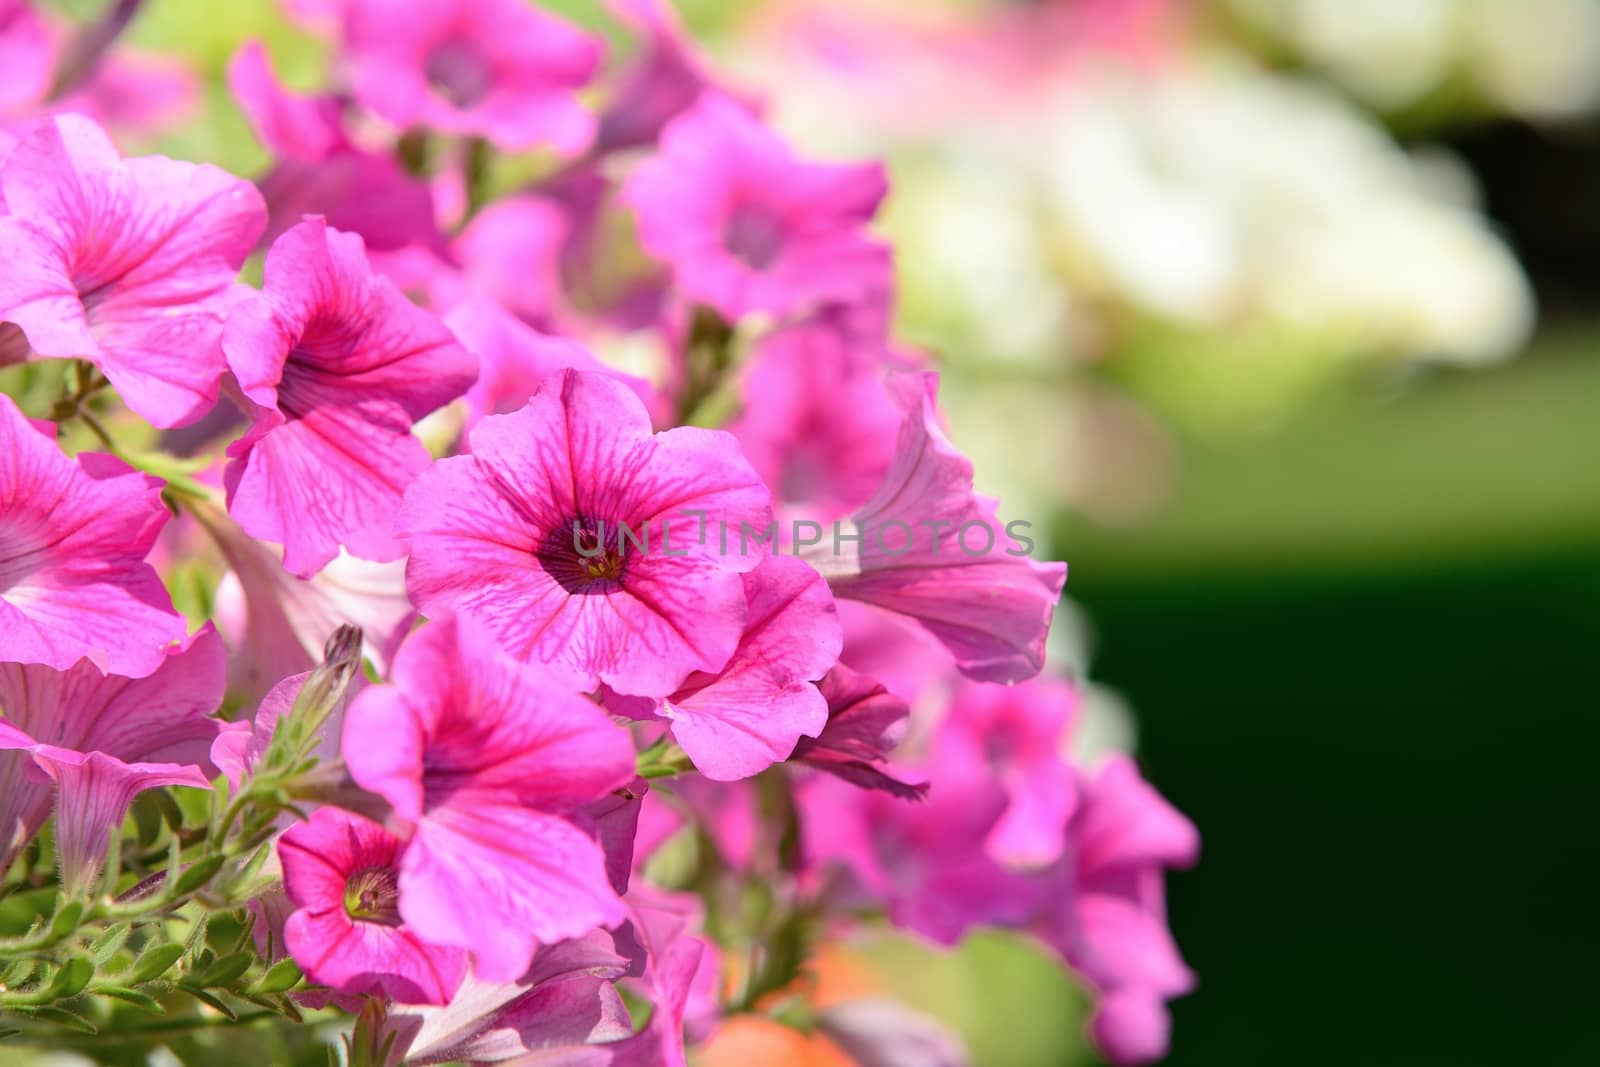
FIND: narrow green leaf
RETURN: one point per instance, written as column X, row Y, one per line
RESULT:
column 66, row 918
column 66, row 1018
column 197, row 874
column 69, row 981
column 142, row 1001
column 280, row 977
column 227, row 970
column 215, row 1002
column 153, row 962
column 108, row 943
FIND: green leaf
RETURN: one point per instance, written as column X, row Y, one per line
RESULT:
column 107, row 944
column 142, row 1001
column 65, row 1018
column 66, row 918
column 197, row 874
column 17, row 972
column 153, row 962
column 69, row 981
column 280, row 977
column 213, row 1001
column 228, row 970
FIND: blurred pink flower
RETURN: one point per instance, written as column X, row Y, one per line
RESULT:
column 747, row 226
column 341, row 873
column 74, row 583
column 863, row 719
column 102, row 739
column 486, row 761
column 526, row 536
column 27, row 56
column 336, row 365
column 663, row 80
column 130, row 264
column 498, row 69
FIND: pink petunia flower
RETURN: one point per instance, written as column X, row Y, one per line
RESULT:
column 73, row 540
column 1016, row 735
column 27, row 56
column 99, row 740
column 130, row 264
column 818, row 422
column 581, row 540
column 319, row 170
column 337, row 366
column 662, row 82
column 486, row 761
column 342, row 874
column 746, row 226
column 864, row 720
column 1106, row 909
column 498, row 69
column 737, row 722
column 934, row 551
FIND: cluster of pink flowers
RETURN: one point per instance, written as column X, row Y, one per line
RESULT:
column 573, row 668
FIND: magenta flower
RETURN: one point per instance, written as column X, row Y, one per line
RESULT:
column 737, row 722
column 526, row 535
column 1015, row 734
column 102, row 739
column 934, row 551
column 663, row 80
column 1107, row 909
column 818, row 422
column 864, row 720
column 73, row 539
column 319, row 170
column 498, row 69
column 514, row 358
column 486, row 761
column 564, row 1002
column 747, row 226
column 337, row 365
column 27, row 56
column 130, row 264
column 342, row 873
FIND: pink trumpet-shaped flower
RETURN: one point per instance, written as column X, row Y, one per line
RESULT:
column 739, row 721
column 73, row 539
column 499, row 69
column 665, row 79
column 130, row 264
column 934, row 551
column 27, row 56
column 863, row 718
column 487, row 761
column 564, row 1002
column 1015, row 734
column 747, row 226
column 337, row 365
column 102, row 739
column 318, row 170
column 342, row 874
column 580, row 540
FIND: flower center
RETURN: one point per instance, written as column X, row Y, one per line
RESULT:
column 753, row 236
column 372, row 895
column 457, row 72
column 587, row 556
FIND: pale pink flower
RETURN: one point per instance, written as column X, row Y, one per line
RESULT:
column 747, row 226
column 337, row 366
column 342, row 874
column 73, row 539
column 130, row 264
column 487, row 762
column 498, row 69
column 526, row 535
column 102, row 739
column 737, row 722
column 934, row 551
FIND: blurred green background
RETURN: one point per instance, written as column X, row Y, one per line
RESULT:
column 1360, row 636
